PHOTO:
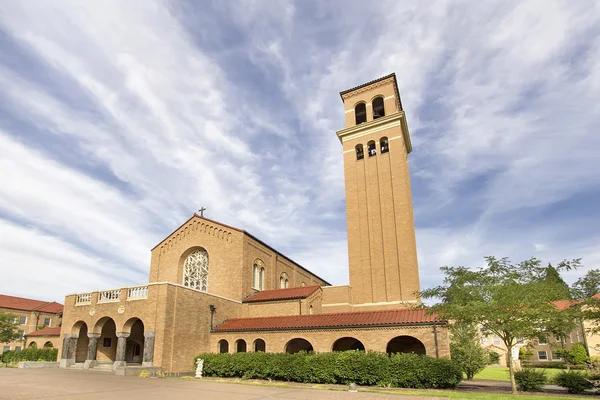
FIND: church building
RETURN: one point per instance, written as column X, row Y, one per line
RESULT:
column 217, row 288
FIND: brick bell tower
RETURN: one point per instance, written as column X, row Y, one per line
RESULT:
column 382, row 251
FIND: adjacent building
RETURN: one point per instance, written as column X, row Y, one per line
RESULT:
column 31, row 317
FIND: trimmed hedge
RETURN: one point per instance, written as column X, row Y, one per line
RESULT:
column 29, row 354
column 368, row 369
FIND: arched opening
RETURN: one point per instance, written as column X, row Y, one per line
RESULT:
column 223, row 346
column 255, row 277
column 383, row 145
column 134, row 346
column 240, row 346
column 107, row 342
column 261, row 280
column 80, row 328
column 260, row 345
column 360, row 113
column 283, row 281
column 310, row 309
column 195, row 270
column 298, row 345
column 371, row 148
column 347, row 343
column 48, row 345
column 33, row 345
column 302, row 284
column 405, row 344
column 360, row 154
column 378, row 108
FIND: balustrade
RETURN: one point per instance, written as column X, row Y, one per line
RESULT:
column 108, row 296
column 84, row 298
column 138, row 292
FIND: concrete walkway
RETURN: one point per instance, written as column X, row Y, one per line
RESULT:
column 51, row 384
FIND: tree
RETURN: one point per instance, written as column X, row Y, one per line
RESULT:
column 8, row 328
column 587, row 286
column 466, row 351
column 509, row 301
column 553, row 276
column 576, row 355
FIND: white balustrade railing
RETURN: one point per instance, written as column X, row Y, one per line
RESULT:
column 107, row 296
column 84, row 298
column 138, row 292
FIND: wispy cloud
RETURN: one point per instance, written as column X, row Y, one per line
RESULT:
column 118, row 120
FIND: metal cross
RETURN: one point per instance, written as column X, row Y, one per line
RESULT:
column 202, row 211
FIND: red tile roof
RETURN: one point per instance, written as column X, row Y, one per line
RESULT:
column 338, row 320
column 20, row 303
column 46, row 331
column 300, row 292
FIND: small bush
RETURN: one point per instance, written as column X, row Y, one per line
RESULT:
column 574, row 382
column 400, row 370
column 29, row 354
column 145, row 374
column 494, row 357
column 530, row 380
column 160, row 374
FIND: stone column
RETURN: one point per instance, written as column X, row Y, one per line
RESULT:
column 90, row 361
column 69, row 347
column 148, row 349
column 121, row 347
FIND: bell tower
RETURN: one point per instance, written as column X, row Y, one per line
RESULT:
column 382, row 251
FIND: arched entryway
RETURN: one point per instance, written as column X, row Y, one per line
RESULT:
column 347, row 343
column 80, row 329
column 33, row 345
column 240, row 346
column 134, row 348
column 107, row 342
column 405, row 344
column 297, row 345
column 48, row 345
column 223, row 346
column 260, row 345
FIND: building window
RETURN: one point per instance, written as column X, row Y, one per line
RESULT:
column 107, row 342
column 484, row 341
column 21, row 334
column 240, row 346
column 383, row 145
column 195, row 270
column 371, row 148
column 496, row 340
column 378, row 108
column 302, row 284
column 5, row 348
column 360, row 154
column 555, row 356
column 360, row 113
column 22, row 320
column 542, row 355
column 543, row 340
column 223, row 346
column 17, row 348
column 310, row 309
column 283, row 281
column 47, row 321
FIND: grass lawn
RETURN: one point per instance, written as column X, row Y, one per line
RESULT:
column 475, row 396
column 501, row 374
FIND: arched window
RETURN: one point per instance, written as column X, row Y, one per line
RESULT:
column 302, row 284
column 255, row 277
column 223, row 346
column 383, row 145
column 378, row 108
column 240, row 346
column 48, row 345
column 360, row 154
column 195, row 270
column 260, row 345
column 371, row 148
column 310, row 309
column 283, row 281
column 360, row 113
column 261, row 280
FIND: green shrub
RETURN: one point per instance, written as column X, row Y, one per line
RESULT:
column 29, row 354
column 400, row 370
column 574, row 382
column 531, row 380
column 494, row 357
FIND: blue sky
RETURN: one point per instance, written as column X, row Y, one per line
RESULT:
column 119, row 119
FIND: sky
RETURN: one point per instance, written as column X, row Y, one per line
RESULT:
column 119, row 120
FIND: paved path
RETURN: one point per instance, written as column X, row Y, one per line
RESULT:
column 51, row 384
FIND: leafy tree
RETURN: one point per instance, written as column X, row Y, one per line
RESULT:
column 587, row 286
column 466, row 351
column 553, row 276
column 574, row 356
column 525, row 353
column 509, row 301
column 8, row 328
